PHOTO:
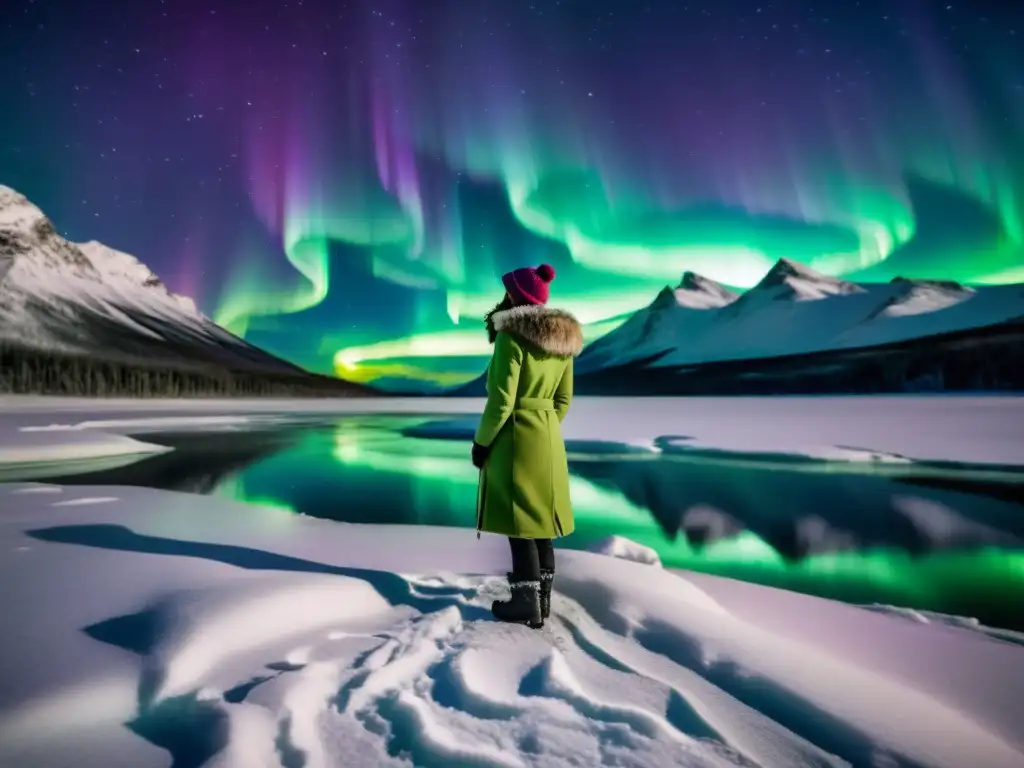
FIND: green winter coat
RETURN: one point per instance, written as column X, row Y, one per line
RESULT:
column 524, row 485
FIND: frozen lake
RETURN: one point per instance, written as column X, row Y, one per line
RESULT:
column 927, row 535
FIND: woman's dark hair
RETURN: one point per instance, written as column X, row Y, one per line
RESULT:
column 501, row 306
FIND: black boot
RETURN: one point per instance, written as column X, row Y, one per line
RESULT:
column 547, row 578
column 524, row 605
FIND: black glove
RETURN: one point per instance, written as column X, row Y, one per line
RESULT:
column 480, row 454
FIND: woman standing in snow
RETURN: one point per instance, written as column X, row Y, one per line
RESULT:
column 524, row 477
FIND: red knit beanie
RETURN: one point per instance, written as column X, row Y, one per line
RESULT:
column 529, row 285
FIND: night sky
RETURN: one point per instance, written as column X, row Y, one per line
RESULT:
column 342, row 183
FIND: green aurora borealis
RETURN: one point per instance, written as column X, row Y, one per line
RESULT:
column 344, row 186
column 612, row 245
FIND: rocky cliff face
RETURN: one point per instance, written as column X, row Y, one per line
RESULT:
column 88, row 298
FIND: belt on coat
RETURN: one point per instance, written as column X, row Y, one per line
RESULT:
column 535, row 404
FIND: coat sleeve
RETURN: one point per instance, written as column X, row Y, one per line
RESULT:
column 502, row 383
column 563, row 394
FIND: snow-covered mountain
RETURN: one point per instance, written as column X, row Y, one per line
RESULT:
column 789, row 280
column 795, row 310
column 697, row 292
column 87, row 298
column 655, row 328
column 916, row 297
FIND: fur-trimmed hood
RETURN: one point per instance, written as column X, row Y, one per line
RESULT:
column 553, row 330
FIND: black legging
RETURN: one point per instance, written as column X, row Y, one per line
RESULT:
column 529, row 556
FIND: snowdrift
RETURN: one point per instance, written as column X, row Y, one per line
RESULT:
column 166, row 629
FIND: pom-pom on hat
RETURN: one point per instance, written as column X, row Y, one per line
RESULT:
column 529, row 285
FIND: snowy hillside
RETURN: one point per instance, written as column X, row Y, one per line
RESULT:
column 795, row 310
column 87, row 298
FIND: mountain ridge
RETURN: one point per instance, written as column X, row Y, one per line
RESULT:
column 793, row 311
column 93, row 302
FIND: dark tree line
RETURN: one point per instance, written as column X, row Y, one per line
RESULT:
column 37, row 372
column 987, row 359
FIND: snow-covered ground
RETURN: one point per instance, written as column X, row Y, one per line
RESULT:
column 145, row 627
column 38, row 446
column 150, row 628
column 968, row 429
